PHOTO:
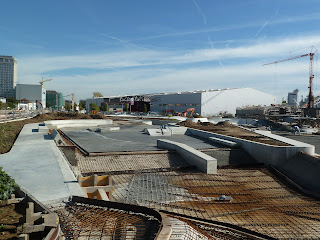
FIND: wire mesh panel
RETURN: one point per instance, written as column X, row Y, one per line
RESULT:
column 84, row 221
column 260, row 202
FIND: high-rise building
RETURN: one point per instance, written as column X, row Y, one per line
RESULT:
column 8, row 76
column 54, row 100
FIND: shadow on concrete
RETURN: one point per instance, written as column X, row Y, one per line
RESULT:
column 175, row 160
column 47, row 137
column 303, row 170
column 214, row 145
column 227, row 156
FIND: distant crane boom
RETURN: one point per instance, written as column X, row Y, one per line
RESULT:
column 47, row 80
column 311, row 75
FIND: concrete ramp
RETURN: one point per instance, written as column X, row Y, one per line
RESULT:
column 202, row 161
column 168, row 131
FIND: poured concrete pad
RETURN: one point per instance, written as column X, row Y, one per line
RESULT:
column 129, row 138
column 38, row 166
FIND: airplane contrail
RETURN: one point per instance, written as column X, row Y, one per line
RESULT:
column 123, row 41
column 210, row 42
column 277, row 11
column 200, row 11
column 265, row 24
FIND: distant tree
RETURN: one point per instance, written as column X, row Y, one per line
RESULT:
column 11, row 105
column 125, row 108
column 97, row 94
column 1, row 105
column 145, row 109
column 82, row 104
column 12, row 100
column 67, row 106
column 94, row 106
column 104, row 107
column 80, row 107
column 74, row 106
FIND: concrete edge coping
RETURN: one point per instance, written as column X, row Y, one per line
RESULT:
column 202, row 161
column 282, row 139
column 166, row 230
column 224, row 142
column 235, row 139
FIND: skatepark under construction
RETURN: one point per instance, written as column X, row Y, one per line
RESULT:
column 166, row 183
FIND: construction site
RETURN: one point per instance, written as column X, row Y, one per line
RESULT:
column 136, row 178
column 181, row 175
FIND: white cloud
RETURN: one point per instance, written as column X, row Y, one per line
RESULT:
column 142, row 71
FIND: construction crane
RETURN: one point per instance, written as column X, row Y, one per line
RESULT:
column 47, row 80
column 311, row 75
column 72, row 94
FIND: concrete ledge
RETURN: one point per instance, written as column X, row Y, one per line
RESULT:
column 43, row 129
column 202, row 161
column 224, row 142
column 263, row 153
column 147, row 122
column 77, row 123
column 168, row 131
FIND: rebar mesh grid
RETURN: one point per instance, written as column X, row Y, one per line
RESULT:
column 135, row 162
column 191, row 230
column 84, row 221
column 260, row 203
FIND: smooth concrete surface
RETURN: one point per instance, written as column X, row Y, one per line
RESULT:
column 203, row 162
column 224, row 142
column 146, row 122
column 77, row 123
column 128, row 139
column 304, row 170
column 263, row 153
column 37, row 165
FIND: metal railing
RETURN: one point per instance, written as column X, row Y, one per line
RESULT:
column 10, row 115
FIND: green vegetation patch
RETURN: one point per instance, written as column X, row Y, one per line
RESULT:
column 7, row 185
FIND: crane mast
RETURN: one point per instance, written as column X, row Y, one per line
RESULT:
column 311, row 75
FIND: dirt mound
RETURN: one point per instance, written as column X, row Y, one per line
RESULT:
column 227, row 124
column 188, row 123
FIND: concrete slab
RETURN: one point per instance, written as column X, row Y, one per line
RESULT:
column 38, row 166
column 129, row 138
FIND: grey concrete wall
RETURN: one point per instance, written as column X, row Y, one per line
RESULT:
column 159, row 103
column 202, row 161
column 263, row 153
column 304, row 170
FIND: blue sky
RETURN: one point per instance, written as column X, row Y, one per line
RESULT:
column 148, row 46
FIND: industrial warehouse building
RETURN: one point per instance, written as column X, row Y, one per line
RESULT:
column 31, row 93
column 209, row 102
column 205, row 102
